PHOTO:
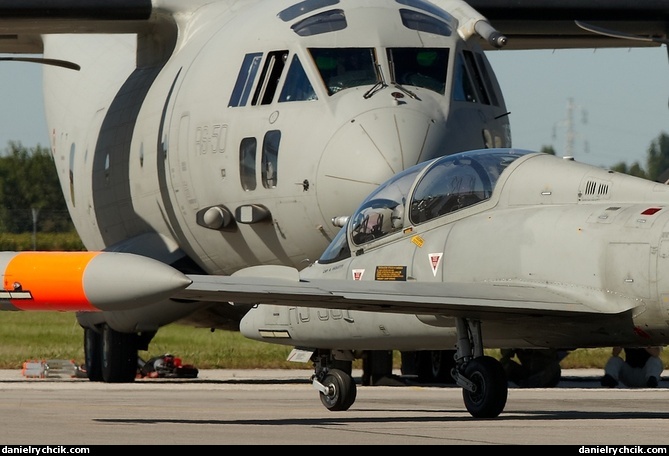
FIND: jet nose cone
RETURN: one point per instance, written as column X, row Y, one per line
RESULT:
column 368, row 150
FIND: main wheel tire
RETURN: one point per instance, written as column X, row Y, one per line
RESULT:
column 434, row 366
column 93, row 354
column 442, row 363
column 492, row 388
column 119, row 356
column 342, row 391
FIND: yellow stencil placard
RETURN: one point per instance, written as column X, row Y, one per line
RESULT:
column 392, row 273
column 419, row 241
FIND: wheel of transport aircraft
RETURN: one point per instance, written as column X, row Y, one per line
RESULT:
column 342, row 391
column 93, row 354
column 489, row 399
column 119, row 356
column 429, row 366
column 435, row 366
column 344, row 366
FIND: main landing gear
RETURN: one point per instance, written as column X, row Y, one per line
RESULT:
column 111, row 356
column 482, row 378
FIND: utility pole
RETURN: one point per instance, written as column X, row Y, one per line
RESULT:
column 571, row 134
column 35, row 211
column 569, row 143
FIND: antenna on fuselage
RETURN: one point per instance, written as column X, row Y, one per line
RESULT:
column 43, row 61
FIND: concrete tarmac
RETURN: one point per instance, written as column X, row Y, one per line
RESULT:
column 280, row 407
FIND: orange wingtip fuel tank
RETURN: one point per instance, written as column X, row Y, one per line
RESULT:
column 84, row 281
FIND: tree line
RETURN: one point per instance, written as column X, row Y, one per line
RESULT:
column 657, row 161
column 29, row 185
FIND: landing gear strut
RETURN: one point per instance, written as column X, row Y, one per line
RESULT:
column 484, row 383
column 482, row 378
column 334, row 382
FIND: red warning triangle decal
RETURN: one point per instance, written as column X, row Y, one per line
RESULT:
column 435, row 260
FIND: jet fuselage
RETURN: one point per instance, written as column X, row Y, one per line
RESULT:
column 576, row 233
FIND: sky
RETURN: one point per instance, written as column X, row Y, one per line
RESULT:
column 619, row 99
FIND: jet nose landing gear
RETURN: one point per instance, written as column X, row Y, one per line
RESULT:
column 337, row 390
column 483, row 380
column 333, row 380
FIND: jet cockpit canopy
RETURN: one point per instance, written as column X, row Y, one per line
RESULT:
column 436, row 188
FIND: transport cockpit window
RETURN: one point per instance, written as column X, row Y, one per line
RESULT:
column 268, row 81
column 423, row 23
column 245, row 79
column 419, row 67
column 297, row 86
column 325, row 22
column 305, row 7
column 343, row 68
column 429, row 8
column 472, row 81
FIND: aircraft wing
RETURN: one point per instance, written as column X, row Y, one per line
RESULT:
column 528, row 24
column 22, row 22
column 280, row 285
column 551, row 24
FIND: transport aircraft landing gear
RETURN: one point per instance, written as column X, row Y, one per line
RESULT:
column 429, row 366
column 92, row 354
column 119, row 356
column 111, row 356
column 333, row 380
column 484, row 383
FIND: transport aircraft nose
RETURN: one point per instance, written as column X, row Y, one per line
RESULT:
column 365, row 152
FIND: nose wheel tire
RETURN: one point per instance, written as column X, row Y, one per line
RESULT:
column 342, row 391
column 492, row 389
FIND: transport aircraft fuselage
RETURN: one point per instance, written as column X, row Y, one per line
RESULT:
column 240, row 145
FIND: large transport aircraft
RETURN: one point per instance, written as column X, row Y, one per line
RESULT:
column 214, row 135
